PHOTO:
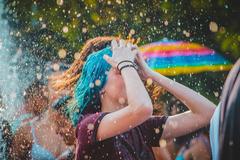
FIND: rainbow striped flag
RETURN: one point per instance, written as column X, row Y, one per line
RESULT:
column 178, row 57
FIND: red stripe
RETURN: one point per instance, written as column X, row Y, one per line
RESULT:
column 179, row 53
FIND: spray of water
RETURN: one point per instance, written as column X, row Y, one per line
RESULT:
column 8, row 70
column 17, row 71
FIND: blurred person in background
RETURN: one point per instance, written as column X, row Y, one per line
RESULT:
column 225, row 123
column 35, row 103
column 48, row 136
column 194, row 145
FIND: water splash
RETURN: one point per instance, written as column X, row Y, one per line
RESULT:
column 8, row 70
column 17, row 70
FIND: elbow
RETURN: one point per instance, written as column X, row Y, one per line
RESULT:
column 144, row 111
column 206, row 116
column 209, row 113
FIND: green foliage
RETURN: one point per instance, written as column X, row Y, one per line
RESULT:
column 43, row 27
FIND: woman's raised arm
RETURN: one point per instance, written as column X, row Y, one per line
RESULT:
column 201, row 109
column 139, row 107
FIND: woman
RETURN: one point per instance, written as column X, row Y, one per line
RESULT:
column 35, row 103
column 114, row 109
column 49, row 137
column 196, row 146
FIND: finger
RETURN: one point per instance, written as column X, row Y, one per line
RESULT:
column 122, row 43
column 134, row 47
column 129, row 45
column 137, row 56
column 110, row 61
column 135, row 52
column 114, row 44
column 140, row 55
column 132, row 41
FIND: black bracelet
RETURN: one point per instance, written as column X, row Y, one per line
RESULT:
column 123, row 62
column 130, row 65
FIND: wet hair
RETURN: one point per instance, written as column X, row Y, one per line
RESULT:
column 69, row 78
column 78, row 74
column 49, row 69
column 59, row 103
column 229, row 128
column 35, row 89
column 87, row 76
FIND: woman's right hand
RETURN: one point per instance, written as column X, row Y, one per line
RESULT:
column 122, row 51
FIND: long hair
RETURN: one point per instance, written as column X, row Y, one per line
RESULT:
column 229, row 129
column 70, row 78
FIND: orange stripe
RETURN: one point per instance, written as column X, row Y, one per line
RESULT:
column 170, row 47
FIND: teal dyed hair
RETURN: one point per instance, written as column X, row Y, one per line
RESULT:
column 92, row 80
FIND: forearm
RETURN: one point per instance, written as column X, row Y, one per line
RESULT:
column 194, row 101
column 136, row 91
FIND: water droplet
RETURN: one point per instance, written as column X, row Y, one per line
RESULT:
column 62, row 53
column 213, row 26
column 118, row 1
column 90, row 126
column 84, row 30
column 98, row 82
column 91, row 85
column 163, row 143
column 65, row 29
column 86, row 157
column 231, row 143
column 121, row 100
column 166, row 23
column 216, row 94
column 132, row 31
column 148, row 20
column 39, row 76
column 59, row 2
column 56, row 67
column 77, row 55
column 44, row 25
column 157, row 130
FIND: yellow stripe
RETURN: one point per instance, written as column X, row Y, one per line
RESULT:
column 193, row 69
column 184, row 46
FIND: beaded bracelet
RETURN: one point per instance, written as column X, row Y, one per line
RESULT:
column 126, row 66
column 124, row 62
column 131, row 63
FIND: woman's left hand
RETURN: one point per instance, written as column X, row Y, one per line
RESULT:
column 144, row 70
